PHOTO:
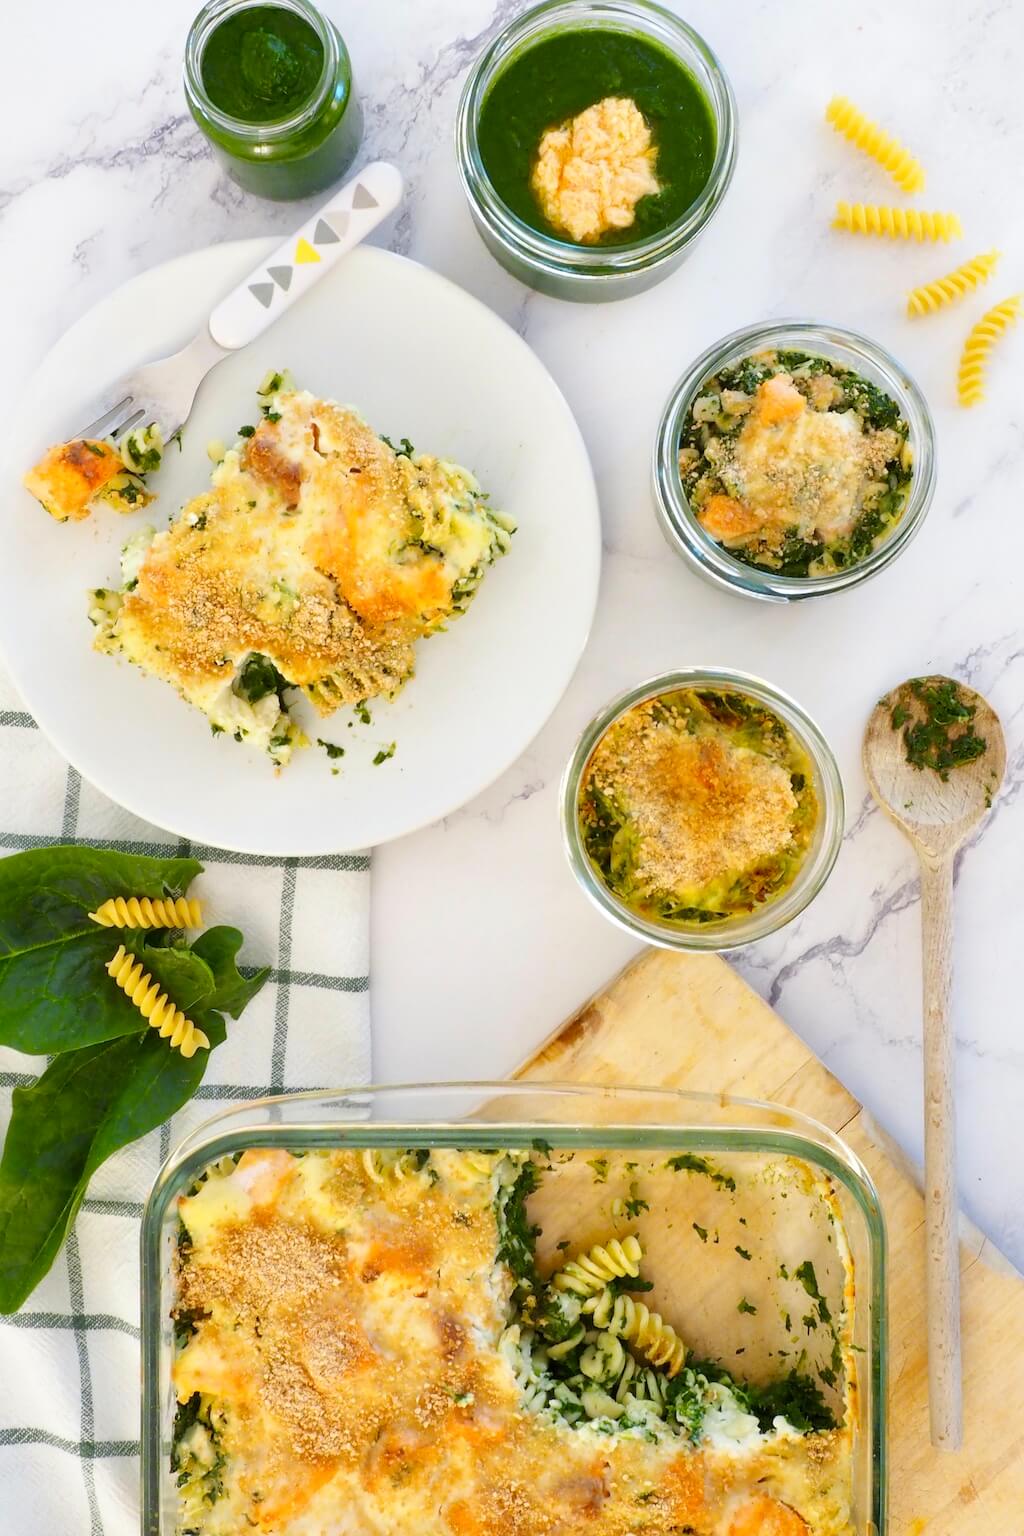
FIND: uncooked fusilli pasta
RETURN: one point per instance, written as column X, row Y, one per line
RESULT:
column 155, row 1006
column 647, row 1330
column 890, row 154
column 954, row 286
column 896, row 223
column 146, row 912
column 974, row 358
column 590, row 1272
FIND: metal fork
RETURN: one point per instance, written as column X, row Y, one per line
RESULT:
column 164, row 391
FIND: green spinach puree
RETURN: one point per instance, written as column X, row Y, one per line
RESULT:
column 563, row 75
column 261, row 64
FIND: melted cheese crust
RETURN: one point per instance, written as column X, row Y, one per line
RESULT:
column 345, row 1344
column 792, row 466
column 318, row 547
column 71, row 478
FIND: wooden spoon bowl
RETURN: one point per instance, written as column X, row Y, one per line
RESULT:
column 936, row 814
column 937, row 810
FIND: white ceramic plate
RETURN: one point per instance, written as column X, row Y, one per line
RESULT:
column 419, row 358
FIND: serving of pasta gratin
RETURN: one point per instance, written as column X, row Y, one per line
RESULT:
column 316, row 561
column 382, row 1341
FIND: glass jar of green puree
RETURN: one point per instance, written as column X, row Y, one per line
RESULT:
column 663, row 106
column 270, row 84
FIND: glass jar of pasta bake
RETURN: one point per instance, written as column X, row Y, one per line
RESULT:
column 702, row 810
column 270, row 84
column 561, row 79
column 773, row 411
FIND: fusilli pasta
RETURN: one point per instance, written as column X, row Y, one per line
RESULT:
column 954, row 286
column 155, row 1006
column 638, row 1325
column 979, row 343
column 381, row 1164
column 896, row 223
column 147, row 912
column 590, row 1272
column 890, row 154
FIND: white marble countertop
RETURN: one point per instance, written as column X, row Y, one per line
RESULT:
column 481, row 940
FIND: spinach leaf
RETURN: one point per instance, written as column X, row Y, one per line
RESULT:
column 53, row 990
column 231, row 990
column 259, row 677
column 87, row 1105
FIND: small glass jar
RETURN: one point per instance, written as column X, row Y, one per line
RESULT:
column 559, row 267
column 858, row 353
column 817, row 864
column 297, row 154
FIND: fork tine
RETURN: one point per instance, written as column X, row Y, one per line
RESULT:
column 120, row 428
column 101, row 426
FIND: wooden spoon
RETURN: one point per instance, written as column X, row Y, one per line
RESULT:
column 937, row 814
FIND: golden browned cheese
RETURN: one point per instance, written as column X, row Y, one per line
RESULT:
column 346, row 1337
column 70, row 476
column 702, row 806
column 795, row 466
column 318, row 547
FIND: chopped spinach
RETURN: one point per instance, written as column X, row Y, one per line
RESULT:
column 259, row 677
column 942, row 737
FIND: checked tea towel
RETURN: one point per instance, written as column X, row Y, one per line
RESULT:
column 69, row 1360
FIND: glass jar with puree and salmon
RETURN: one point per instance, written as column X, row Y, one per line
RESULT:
column 595, row 141
column 270, row 85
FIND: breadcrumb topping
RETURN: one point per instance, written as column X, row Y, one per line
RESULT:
column 702, row 807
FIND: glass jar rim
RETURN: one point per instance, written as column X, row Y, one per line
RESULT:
column 712, row 559
column 815, row 868
column 213, row 13
column 560, row 256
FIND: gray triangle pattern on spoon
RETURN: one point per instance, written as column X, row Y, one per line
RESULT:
column 282, row 276
column 262, row 291
column 324, row 234
column 363, row 199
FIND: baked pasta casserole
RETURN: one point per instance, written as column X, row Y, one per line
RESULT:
column 380, row 1341
column 317, row 559
column 794, row 463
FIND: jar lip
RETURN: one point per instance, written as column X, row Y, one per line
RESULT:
column 712, row 559
column 200, row 32
column 817, row 864
column 594, row 263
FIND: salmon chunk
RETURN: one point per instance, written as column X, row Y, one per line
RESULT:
column 778, row 401
column 727, row 519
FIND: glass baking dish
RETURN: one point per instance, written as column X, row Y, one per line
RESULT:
column 741, row 1135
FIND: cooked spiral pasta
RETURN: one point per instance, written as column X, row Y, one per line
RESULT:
column 381, row 1164
column 896, row 223
column 641, row 1382
column 974, row 358
column 590, row 1272
column 638, row 1325
column 890, row 154
column 155, row 1006
column 954, row 286
column 147, row 912
column 603, row 1361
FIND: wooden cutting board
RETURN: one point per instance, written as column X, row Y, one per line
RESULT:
column 688, row 1021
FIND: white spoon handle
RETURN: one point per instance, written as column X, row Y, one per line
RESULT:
column 348, row 216
column 940, row 1198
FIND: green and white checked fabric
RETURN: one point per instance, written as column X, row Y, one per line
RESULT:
column 69, row 1361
